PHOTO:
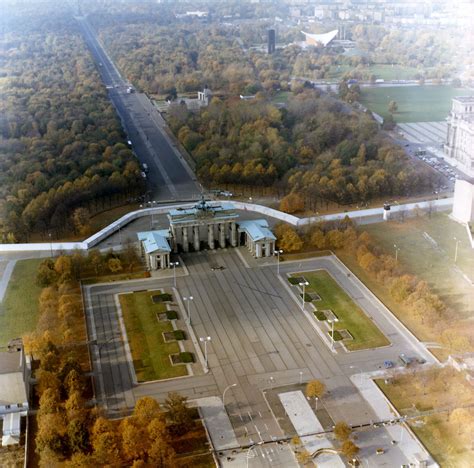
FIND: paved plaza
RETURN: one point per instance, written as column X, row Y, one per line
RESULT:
column 260, row 340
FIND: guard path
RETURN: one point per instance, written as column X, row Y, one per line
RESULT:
column 6, row 270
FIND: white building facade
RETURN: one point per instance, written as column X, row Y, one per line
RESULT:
column 459, row 146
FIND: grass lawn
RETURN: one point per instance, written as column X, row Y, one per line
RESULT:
column 351, row 317
column 117, row 277
column 19, row 309
column 445, row 435
column 281, row 96
column 415, row 103
column 430, row 261
column 149, row 351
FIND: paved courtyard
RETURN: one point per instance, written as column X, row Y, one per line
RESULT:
column 260, row 339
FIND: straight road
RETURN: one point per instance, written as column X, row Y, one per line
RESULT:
column 169, row 176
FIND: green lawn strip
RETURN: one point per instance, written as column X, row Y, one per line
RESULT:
column 19, row 309
column 415, row 103
column 149, row 351
column 351, row 317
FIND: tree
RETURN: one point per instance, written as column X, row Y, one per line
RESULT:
column 292, row 203
column 106, row 442
column 342, row 431
column 349, row 449
column 114, row 265
column 146, row 410
column 303, row 457
column 392, row 107
column 315, row 389
column 78, row 435
column 318, row 239
column 161, row 454
column 46, row 274
column 135, row 440
column 289, row 240
column 179, row 412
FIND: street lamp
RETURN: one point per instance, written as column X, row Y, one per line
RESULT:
column 152, row 204
column 225, row 391
column 303, row 285
column 50, row 244
column 397, row 249
column 278, row 253
column 205, row 340
column 188, row 301
column 301, row 377
column 456, row 250
column 332, row 321
column 174, row 265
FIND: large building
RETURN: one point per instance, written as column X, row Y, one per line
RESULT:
column 320, row 39
column 205, row 226
column 271, row 41
column 460, row 138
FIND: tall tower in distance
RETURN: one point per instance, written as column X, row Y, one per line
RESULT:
column 271, row 41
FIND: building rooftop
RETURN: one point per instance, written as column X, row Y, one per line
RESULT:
column 10, row 362
column 257, row 229
column 155, row 240
column 464, row 99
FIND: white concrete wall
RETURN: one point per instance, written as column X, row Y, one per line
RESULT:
column 463, row 205
column 264, row 210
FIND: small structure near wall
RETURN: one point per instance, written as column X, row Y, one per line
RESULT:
column 257, row 237
column 155, row 248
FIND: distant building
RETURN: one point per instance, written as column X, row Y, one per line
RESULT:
column 271, row 41
column 320, row 39
column 206, row 225
column 460, row 138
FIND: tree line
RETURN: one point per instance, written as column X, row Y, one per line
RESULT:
column 422, row 305
column 62, row 144
column 316, row 146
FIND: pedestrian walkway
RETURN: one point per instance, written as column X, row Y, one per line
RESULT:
column 218, row 423
column 6, row 270
column 400, row 433
column 305, row 422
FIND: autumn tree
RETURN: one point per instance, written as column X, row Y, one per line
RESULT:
column 292, row 203
column 342, row 431
column 392, row 107
column 179, row 412
column 106, row 442
column 315, row 389
column 288, row 239
column 349, row 449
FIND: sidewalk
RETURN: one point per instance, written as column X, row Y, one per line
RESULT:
column 406, row 441
column 6, row 270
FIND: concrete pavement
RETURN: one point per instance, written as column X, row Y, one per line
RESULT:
column 260, row 340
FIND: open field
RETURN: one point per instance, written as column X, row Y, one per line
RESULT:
column 447, row 434
column 415, row 103
column 19, row 309
column 149, row 351
column 351, row 317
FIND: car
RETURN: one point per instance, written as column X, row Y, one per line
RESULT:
column 380, row 451
column 388, row 364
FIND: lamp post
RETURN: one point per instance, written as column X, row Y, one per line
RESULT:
column 278, row 253
column 205, row 340
column 174, row 265
column 188, row 301
column 303, row 285
column 332, row 321
column 301, row 377
column 225, row 391
column 456, row 250
column 50, row 244
column 397, row 249
column 152, row 221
